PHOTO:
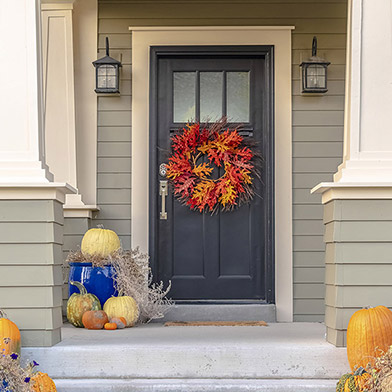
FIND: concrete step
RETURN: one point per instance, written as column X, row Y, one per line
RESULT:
column 221, row 312
column 280, row 351
column 201, row 385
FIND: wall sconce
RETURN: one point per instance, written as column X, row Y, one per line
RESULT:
column 107, row 73
column 314, row 72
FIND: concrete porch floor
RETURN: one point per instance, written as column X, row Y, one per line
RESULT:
column 280, row 357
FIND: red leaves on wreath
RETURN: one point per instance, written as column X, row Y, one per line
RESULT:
column 184, row 186
column 177, row 166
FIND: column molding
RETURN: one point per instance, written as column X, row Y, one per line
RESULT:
column 367, row 142
column 61, row 93
column 22, row 151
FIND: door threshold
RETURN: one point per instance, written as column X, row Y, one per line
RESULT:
column 221, row 312
column 220, row 302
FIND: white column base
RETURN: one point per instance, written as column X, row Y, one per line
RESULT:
column 353, row 191
column 35, row 191
column 75, row 208
column 20, row 172
column 364, row 171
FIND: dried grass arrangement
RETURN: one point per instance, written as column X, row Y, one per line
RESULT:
column 133, row 277
column 13, row 377
column 382, row 373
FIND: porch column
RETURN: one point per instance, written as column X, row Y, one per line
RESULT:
column 31, row 216
column 358, row 204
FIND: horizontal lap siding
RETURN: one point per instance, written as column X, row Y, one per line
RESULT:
column 317, row 121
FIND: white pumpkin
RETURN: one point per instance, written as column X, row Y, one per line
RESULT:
column 100, row 242
column 122, row 307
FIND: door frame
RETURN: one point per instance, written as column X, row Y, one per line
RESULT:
column 279, row 36
column 265, row 51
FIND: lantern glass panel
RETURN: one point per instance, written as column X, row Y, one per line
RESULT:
column 315, row 76
column 107, row 77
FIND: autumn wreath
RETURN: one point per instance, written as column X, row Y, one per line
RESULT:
column 191, row 175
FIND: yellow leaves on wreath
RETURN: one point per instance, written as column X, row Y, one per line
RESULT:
column 203, row 170
column 205, row 147
column 202, row 191
column 245, row 176
column 229, row 195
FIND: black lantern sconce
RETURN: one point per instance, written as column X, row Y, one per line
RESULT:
column 107, row 74
column 314, row 72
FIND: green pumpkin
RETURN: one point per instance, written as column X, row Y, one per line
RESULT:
column 79, row 303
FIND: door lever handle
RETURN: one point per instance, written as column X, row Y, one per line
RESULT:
column 163, row 194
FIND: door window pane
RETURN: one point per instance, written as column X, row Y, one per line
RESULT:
column 211, row 85
column 184, row 91
column 238, row 93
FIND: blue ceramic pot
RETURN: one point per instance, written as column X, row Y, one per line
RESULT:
column 96, row 280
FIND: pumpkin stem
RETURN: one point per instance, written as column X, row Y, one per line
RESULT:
column 3, row 314
column 360, row 371
column 100, row 226
column 79, row 285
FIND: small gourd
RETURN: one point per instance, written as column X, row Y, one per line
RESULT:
column 122, row 307
column 94, row 319
column 110, row 326
column 9, row 336
column 41, row 382
column 119, row 321
column 354, row 382
column 80, row 303
column 100, row 242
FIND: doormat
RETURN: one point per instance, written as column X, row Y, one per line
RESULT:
column 216, row 324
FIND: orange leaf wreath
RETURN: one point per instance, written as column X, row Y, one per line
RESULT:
column 225, row 148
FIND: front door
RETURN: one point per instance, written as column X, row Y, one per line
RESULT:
column 227, row 256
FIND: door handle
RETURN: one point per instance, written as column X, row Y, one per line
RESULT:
column 163, row 194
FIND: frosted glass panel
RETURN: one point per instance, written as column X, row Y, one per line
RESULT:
column 184, row 90
column 238, row 96
column 211, row 85
column 316, row 76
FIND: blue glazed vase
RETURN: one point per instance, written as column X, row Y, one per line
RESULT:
column 98, row 281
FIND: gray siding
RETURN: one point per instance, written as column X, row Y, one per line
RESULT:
column 317, row 121
column 358, row 234
column 31, row 237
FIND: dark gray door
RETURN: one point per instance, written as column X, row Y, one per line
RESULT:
column 227, row 256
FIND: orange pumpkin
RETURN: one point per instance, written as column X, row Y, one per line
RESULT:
column 369, row 334
column 110, row 326
column 43, row 383
column 94, row 319
column 9, row 336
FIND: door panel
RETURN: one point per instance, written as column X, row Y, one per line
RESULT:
column 227, row 256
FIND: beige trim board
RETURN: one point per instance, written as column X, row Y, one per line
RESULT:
column 145, row 37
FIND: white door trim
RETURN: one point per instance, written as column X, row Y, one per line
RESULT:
column 145, row 37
